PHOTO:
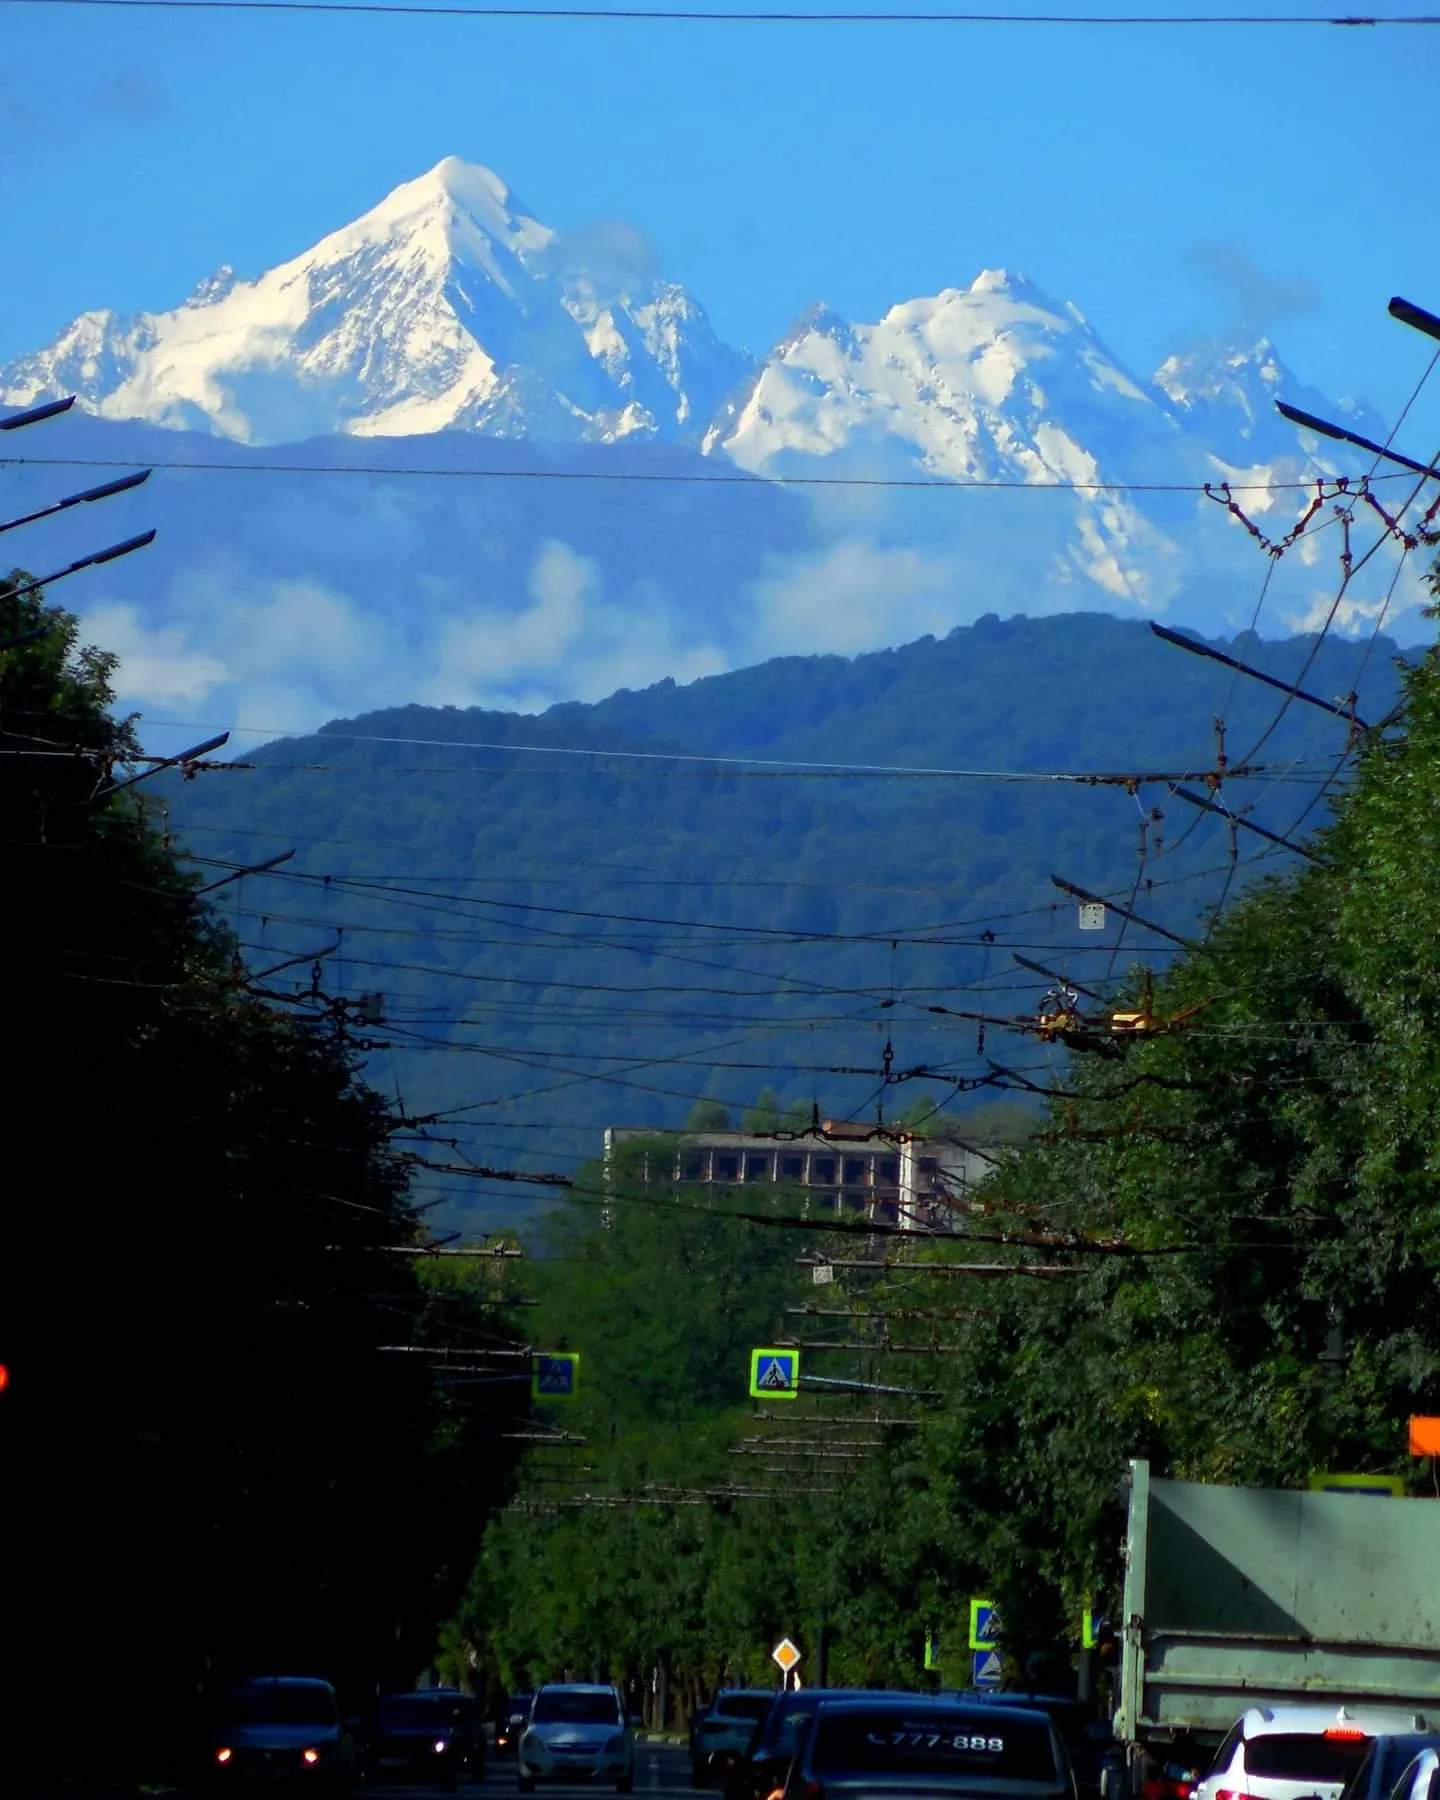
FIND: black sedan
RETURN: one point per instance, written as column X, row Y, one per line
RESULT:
column 514, row 1716
column 763, row 1767
column 890, row 1749
column 433, row 1735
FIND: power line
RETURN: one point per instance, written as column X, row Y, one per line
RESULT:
column 648, row 477
column 677, row 16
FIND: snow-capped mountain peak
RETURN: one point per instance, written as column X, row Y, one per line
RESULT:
column 437, row 308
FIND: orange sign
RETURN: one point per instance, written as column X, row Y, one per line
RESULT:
column 786, row 1655
column 1424, row 1436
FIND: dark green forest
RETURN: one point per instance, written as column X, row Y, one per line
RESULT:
column 562, row 940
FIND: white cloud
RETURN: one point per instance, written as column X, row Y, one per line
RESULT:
column 570, row 643
column 853, row 596
column 157, row 665
column 484, row 652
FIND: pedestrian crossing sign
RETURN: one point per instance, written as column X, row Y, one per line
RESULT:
column 984, row 1625
column 774, row 1374
column 555, row 1376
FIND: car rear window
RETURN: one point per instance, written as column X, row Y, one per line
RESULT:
column 871, row 1743
column 575, row 1709
column 422, row 1712
column 1297, row 1756
column 743, row 1706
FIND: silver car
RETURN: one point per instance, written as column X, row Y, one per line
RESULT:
column 576, row 1730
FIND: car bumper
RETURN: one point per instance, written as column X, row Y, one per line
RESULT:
column 277, row 1772
column 559, row 1765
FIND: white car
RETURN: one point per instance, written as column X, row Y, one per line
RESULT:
column 1298, row 1752
column 576, row 1730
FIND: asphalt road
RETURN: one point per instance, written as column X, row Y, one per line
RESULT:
column 662, row 1772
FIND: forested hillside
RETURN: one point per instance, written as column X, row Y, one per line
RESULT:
column 1220, row 1249
column 602, row 913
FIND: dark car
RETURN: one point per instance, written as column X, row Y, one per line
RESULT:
column 1384, row 1762
column 281, row 1730
column 763, row 1767
column 720, row 1733
column 888, row 1749
column 511, row 1723
column 1086, row 1738
column 432, row 1735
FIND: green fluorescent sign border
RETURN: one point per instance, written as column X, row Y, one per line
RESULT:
column 1381, row 1485
column 976, row 1641
column 757, row 1357
column 555, row 1356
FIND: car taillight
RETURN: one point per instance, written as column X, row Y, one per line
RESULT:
column 223, row 1756
column 1231, row 1794
column 1345, row 1736
column 311, row 1756
column 1165, row 1787
column 814, row 1790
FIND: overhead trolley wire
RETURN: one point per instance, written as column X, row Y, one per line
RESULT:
column 684, row 16
column 648, row 477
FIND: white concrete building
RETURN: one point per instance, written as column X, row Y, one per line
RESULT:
column 865, row 1170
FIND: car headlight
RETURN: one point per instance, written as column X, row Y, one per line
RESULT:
column 311, row 1756
column 223, row 1756
column 439, row 1746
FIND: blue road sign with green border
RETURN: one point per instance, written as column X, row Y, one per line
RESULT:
column 775, row 1374
column 555, row 1375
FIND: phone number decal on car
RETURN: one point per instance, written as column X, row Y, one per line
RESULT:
column 935, row 1740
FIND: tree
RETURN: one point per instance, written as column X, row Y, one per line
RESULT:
column 222, row 1474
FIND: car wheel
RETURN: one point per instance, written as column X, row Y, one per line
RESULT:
column 626, row 1784
column 699, row 1775
column 525, row 1783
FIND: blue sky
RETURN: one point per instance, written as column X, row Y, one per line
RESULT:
column 1152, row 176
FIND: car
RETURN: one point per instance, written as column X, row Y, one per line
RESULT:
column 1299, row 1752
column 433, row 1734
column 1421, row 1780
column 1385, row 1760
column 282, row 1730
column 576, row 1729
column 1086, row 1738
column 511, row 1723
column 720, row 1733
column 889, row 1748
column 761, row 1771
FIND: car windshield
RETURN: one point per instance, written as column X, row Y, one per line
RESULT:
column 420, row 1712
column 282, row 1704
column 560, row 1707
column 1304, row 1756
column 937, row 1740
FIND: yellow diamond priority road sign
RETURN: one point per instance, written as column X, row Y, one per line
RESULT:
column 786, row 1655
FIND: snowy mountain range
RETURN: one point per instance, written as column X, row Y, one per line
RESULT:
column 445, row 307
column 450, row 307
column 453, row 323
